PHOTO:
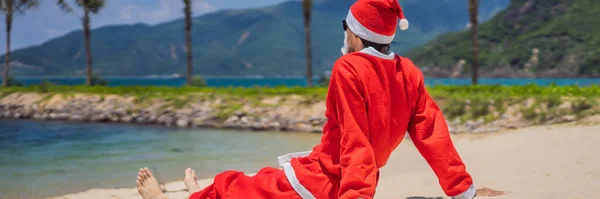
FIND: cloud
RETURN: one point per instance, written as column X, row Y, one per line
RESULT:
column 201, row 7
column 164, row 12
column 128, row 12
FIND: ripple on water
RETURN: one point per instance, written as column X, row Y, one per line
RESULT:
column 38, row 173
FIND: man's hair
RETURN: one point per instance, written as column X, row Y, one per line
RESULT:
column 382, row 48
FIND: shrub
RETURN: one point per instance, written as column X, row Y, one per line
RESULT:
column 529, row 113
column 13, row 82
column 553, row 101
column 98, row 81
column 198, row 81
column 324, row 81
column 44, row 86
column 479, row 107
column 454, row 108
column 580, row 106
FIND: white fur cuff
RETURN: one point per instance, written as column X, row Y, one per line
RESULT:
column 468, row 194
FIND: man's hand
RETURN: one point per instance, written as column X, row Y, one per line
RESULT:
column 490, row 192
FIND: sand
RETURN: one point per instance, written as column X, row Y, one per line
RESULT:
column 560, row 161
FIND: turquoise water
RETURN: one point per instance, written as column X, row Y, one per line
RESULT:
column 42, row 158
column 293, row 81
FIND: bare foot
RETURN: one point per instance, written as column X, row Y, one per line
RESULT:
column 148, row 186
column 190, row 181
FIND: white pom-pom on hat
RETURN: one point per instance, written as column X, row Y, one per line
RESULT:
column 403, row 24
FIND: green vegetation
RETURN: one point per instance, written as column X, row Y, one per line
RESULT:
column 10, row 81
column 489, row 102
column 198, row 81
column 98, row 81
column 530, row 113
column 477, row 93
column 166, row 92
column 179, row 102
column 43, row 88
column 557, row 38
column 259, row 41
column 502, row 92
column 227, row 110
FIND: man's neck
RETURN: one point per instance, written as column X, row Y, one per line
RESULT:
column 382, row 51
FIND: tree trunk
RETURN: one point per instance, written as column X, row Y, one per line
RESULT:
column 7, row 56
column 188, row 41
column 307, row 12
column 88, row 49
column 473, row 9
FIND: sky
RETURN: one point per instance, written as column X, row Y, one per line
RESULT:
column 47, row 21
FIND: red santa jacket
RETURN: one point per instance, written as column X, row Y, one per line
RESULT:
column 373, row 100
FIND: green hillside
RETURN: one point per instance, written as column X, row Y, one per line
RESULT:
column 549, row 38
column 265, row 41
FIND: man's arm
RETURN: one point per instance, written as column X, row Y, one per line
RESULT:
column 348, row 109
column 429, row 132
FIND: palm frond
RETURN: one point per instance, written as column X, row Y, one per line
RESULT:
column 22, row 5
column 64, row 6
column 93, row 6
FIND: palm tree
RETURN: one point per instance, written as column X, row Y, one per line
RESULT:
column 307, row 9
column 473, row 6
column 9, row 7
column 89, row 6
column 188, row 39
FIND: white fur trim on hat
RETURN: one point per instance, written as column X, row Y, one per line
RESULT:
column 363, row 32
column 403, row 24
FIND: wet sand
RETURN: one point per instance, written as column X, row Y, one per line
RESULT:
column 559, row 161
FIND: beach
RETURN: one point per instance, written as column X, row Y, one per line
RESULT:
column 553, row 161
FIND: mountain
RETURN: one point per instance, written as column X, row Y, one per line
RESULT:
column 265, row 41
column 531, row 38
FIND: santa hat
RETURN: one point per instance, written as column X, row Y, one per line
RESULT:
column 375, row 20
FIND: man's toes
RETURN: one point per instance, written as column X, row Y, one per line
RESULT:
column 188, row 172
column 142, row 176
column 194, row 174
column 145, row 174
column 148, row 172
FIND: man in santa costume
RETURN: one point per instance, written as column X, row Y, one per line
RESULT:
column 374, row 98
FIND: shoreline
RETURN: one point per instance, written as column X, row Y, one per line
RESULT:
column 165, row 112
column 280, row 113
column 489, row 160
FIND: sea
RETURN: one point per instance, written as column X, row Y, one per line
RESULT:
column 290, row 81
column 48, row 158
